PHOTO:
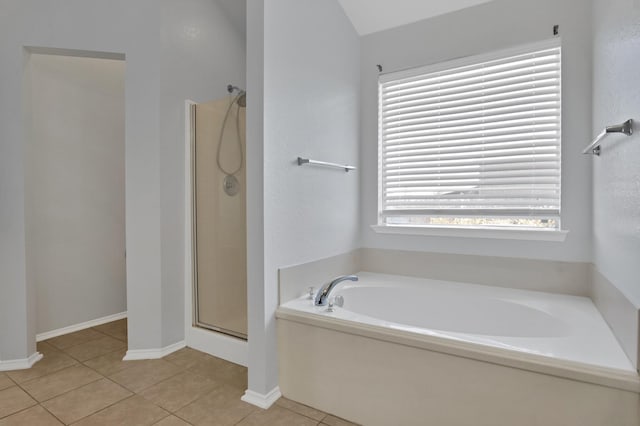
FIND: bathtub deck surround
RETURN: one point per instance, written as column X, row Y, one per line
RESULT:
column 620, row 313
column 420, row 386
column 557, row 277
column 494, row 346
column 539, row 326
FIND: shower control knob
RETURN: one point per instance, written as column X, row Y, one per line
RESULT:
column 330, row 305
column 230, row 185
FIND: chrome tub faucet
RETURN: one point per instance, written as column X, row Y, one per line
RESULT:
column 323, row 294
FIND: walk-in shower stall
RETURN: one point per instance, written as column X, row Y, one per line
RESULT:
column 219, row 214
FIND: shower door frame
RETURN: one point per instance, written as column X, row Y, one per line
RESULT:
column 203, row 338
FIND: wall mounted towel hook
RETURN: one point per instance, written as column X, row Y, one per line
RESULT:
column 625, row 128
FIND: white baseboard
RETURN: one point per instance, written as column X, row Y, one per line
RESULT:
column 219, row 345
column 77, row 327
column 20, row 364
column 137, row 354
column 260, row 400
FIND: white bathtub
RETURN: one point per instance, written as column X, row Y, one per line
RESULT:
column 546, row 337
column 559, row 326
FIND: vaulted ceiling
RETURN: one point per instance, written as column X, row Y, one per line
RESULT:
column 369, row 16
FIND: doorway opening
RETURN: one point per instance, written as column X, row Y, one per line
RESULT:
column 75, row 195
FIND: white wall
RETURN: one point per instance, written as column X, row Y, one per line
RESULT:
column 311, row 94
column 75, row 188
column 616, row 173
column 174, row 51
column 492, row 26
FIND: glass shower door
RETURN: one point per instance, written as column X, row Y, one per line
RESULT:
column 219, row 189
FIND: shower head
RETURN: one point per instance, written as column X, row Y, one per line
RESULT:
column 241, row 98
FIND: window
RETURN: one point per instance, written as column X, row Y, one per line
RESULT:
column 473, row 143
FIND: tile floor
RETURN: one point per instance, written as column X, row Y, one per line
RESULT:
column 82, row 380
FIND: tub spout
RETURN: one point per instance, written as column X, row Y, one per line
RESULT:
column 323, row 294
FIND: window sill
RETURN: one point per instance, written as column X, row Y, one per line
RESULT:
column 491, row 233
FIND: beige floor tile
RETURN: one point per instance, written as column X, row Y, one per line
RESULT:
column 134, row 411
column 34, row 416
column 172, row 421
column 52, row 385
column 276, row 416
column 117, row 329
column 221, row 371
column 5, row 381
column 72, row 339
column 301, row 409
column 220, row 407
column 187, row 357
column 14, row 399
column 145, row 374
column 86, row 400
column 53, row 360
column 45, row 348
column 336, row 421
column 95, row 348
column 178, row 391
column 110, row 363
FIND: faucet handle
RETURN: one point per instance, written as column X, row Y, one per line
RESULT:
column 330, row 304
column 311, row 293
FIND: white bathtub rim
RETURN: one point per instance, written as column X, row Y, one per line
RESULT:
column 609, row 377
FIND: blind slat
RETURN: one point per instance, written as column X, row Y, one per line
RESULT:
column 530, row 102
column 481, row 91
column 520, row 74
column 542, row 213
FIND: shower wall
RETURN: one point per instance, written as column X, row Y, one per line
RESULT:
column 220, row 222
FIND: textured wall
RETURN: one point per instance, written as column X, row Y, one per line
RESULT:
column 311, row 93
column 616, row 173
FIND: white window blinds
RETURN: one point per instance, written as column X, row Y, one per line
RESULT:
column 478, row 137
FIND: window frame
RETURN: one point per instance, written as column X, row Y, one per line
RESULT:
column 481, row 231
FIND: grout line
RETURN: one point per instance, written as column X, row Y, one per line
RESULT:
column 147, row 387
column 69, row 391
column 242, row 419
column 97, row 356
column 133, row 395
column 21, row 410
column 10, row 380
column 110, row 405
column 176, row 416
column 165, row 417
column 54, row 416
column 182, row 418
column 108, row 334
column 58, row 371
column 304, row 415
column 104, row 408
column 77, row 344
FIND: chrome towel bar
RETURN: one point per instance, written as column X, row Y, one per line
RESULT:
column 344, row 167
column 594, row 147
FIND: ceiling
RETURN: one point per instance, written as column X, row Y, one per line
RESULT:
column 369, row 16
